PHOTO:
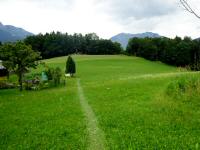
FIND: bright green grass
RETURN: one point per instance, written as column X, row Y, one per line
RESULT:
column 47, row 119
column 133, row 113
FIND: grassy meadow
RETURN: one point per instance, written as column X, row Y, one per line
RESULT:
column 128, row 98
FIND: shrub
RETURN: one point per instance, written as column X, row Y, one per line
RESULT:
column 32, row 82
column 36, row 82
column 49, row 73
column 57, row 73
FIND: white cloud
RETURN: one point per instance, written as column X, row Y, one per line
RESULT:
column 138, row 9
column 105, row 17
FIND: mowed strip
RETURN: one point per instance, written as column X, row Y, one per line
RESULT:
column 157, row 75
column 96, row 135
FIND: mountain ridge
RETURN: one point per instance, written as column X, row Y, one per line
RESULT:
column 10, row 33
column 123, row 38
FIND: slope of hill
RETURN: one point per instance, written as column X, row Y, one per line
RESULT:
column 125, row 95
column 9, row 33
column 123, row 38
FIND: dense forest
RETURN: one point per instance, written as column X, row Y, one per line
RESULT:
column 178, row 52
column 58, row 44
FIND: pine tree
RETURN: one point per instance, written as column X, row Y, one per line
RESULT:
column 70, row 66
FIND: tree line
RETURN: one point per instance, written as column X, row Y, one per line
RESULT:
column 178, row 52
column 59, row 44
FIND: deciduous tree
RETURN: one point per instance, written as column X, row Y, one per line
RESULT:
column 19, row 58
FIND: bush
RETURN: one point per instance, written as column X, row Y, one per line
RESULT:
column 36, row 81
column 57, row 73
column 32, row 83
column 49, row 73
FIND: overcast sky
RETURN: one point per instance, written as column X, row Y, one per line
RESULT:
column 104, row 17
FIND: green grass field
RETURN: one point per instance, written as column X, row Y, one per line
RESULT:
column 114, row 102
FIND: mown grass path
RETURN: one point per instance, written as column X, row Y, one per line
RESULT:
column 159, row 75
column 96, row 135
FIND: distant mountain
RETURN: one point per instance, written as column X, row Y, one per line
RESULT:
column 123, row 38
column 197, row 39
column 10, row 33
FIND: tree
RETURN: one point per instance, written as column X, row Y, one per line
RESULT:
column 19, row 58
column 188, row 8
column 133, row 46
column 195, row 64
column 70, row 66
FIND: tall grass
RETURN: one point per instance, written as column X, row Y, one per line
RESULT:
column 184, row 87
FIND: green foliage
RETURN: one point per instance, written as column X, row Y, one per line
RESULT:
column 57, row 74
column 54, row 74
column 32, row 81
column 49, row 73
column 70, row 66
column 177, row 52
column 19, row 58
column 58, row 44
column 35, row 81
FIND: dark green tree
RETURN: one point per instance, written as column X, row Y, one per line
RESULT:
column 19, row 58
column 133, row 46
column 70, row 66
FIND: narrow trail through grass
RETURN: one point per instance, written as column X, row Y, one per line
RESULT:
column 157, row 75
column 96, row 135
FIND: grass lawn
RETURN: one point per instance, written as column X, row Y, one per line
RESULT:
column 47, row 119
column 132, row 109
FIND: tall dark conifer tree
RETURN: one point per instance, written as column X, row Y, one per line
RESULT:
column 70, row 66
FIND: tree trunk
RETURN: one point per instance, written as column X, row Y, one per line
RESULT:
column 20, row 81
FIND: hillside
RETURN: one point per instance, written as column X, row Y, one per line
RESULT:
column 123, row 38
column 113, row 102
column 9, row 33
